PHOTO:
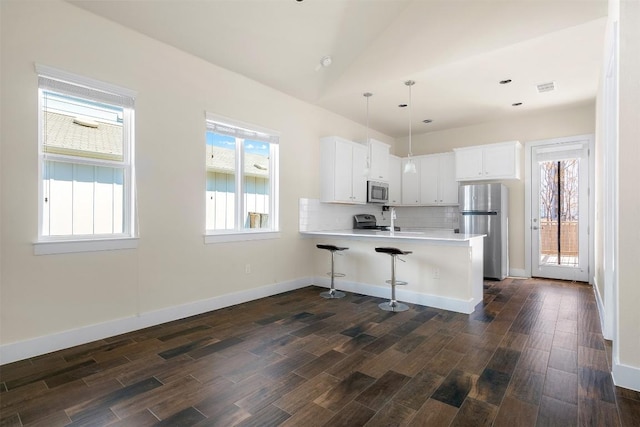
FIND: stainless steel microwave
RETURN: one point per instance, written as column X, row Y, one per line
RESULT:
column 377, row 192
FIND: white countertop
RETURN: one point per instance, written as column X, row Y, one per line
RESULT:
column 427, row 234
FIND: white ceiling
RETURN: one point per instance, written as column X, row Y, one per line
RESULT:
column 456, row 50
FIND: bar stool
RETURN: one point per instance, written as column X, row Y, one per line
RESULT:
column 393, row 305
column 332, row 292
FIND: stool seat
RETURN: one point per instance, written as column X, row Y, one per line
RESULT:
column 393, row 304
column 332, row 292
column 393, row 251
column 331, row 247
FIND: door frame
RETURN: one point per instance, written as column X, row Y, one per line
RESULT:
column 529, row 146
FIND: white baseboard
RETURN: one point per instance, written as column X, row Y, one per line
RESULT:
column 34, row 347
column 517, row 272
column 451, row 304
column 626, row 376
column 600, row 304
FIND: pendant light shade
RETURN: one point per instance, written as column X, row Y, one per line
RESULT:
column 410, row 166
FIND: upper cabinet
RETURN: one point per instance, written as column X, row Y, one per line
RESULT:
column 438, row 185
column 343, row 166
column 434, row 182
column 411, row 183
column 491, row 161
column 378, row 161
column 395, row 180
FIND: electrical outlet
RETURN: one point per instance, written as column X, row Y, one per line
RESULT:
column 436, row 273
column 247, row 268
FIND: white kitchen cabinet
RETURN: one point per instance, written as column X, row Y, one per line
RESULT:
column 411, row 183
column 491, row 161
column 468, row 163
column 502, row 160
column 342, row 171
column 448, row 183
column 378, row 161
column 395, row 180
column 438, row 185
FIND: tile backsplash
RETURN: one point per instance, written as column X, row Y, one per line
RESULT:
column 316, row 216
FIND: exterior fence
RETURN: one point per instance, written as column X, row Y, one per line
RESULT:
column 568, row 237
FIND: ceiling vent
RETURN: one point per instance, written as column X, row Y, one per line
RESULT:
column 546, row 87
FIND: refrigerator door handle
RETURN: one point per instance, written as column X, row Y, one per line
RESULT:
column 478, row 213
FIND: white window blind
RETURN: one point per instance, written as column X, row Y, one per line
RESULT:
column 71, row 84
column 237, row 129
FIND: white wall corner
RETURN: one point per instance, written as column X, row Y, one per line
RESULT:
column 626, row 376
column 518, row 272
column 606, row 333
column 41, row 345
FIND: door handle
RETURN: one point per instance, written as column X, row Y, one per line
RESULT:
column 534, row 227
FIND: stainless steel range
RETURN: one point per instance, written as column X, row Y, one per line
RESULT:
column 368, row 222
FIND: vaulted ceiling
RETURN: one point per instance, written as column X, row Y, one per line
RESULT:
column 457, row 52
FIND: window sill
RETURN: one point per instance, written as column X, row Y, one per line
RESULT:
column 240, row 236
column 71, row 246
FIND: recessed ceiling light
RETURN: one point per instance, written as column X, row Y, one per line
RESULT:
column 427, row 121
column 504, row 82
column 325, row 62
column 402, row 105
column 516, row 104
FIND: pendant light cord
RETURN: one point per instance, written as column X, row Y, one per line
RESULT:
column 368, row 95
column 410, row 116
column 410, row 166
column 410, row 83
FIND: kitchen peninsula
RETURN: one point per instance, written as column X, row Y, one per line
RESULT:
column 445, row 269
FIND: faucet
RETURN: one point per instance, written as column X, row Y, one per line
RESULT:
column 392, row 228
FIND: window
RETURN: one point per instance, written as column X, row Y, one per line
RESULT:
column 242, row 179
column 86, row 160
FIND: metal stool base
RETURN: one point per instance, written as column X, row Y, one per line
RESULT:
column 394, row 306
column 332, row 294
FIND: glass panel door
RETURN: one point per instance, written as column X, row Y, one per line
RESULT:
column 560, row 207
column 559, row 212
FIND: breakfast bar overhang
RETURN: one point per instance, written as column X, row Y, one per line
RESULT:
column 444, row 271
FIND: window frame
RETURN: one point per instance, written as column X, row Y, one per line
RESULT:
column 240, row 232
column 73, row 86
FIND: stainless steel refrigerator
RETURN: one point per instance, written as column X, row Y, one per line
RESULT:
column 484, row 210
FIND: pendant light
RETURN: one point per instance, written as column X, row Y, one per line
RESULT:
column 366, row 170
column 410, row 166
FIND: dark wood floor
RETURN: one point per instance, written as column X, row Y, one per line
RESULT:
column 532, row 355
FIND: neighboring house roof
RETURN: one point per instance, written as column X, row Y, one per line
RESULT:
column 64, row 136
column 222, row 160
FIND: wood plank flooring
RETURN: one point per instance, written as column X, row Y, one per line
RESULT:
column 531, row 355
